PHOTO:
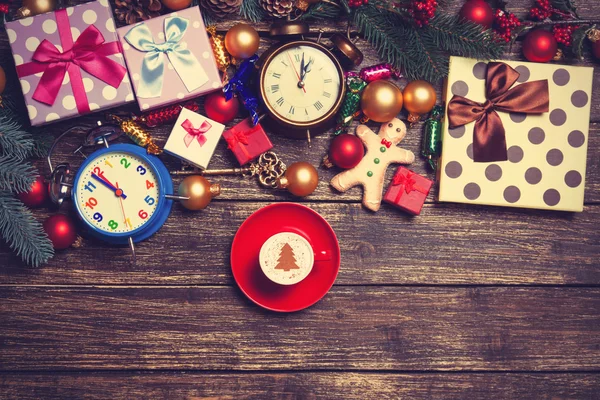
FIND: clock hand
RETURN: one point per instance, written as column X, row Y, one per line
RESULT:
column 122, row 206
column 300, row 83
column 105, row 182
column 302, row 71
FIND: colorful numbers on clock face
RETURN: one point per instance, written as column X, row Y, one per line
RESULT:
column 117, row 193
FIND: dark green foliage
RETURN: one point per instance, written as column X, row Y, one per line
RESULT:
column 565, row 6
column 422, row 53
column 14, row 141
column 322, row 10
column 23, row 233
column 579, row 36
column 252, row 10
column 463, row 38
column 15, row 174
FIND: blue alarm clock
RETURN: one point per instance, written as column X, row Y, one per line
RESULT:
column 122, row 194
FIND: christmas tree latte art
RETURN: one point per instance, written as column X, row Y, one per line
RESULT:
column 286, row 258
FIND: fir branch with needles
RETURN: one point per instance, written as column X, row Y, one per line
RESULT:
column 322, row 10
column 16, row 175
column 422, row 53
column 14, row 141
column 22, row 232
column 252, row 10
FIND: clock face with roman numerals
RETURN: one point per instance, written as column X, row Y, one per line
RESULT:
column 302, row 84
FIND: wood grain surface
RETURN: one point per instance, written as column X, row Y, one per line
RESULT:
column 320, row 385
column 462, row 302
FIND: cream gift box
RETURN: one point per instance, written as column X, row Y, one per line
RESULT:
column 545, row 151
column 194, row 138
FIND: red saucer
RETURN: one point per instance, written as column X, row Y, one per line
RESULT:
column 264, row 223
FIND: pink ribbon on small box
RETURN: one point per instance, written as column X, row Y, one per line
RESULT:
column 89, row 53
column 409, row 184
column 195, row 133
column 241, row 138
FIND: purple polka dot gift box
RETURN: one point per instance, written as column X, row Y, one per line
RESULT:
column 515, row 134
column 69, row 62
column 170, row 59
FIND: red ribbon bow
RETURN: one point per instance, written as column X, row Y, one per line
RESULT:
column 89, row 52
column 236, row 138
column 386, row 143
column 197, row 133
column 410, row 184
column 489, row 137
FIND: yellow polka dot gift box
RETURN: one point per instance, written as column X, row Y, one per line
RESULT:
column 515, row 134
column 169, row 59
column 69, row 62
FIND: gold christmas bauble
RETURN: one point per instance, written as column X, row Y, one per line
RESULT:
column 419, row 98
column 176, row 5
column 199, row 190
column 2, row 80
column 35, row 7
column 241, row 41
column 300, row 179
column 381, row 101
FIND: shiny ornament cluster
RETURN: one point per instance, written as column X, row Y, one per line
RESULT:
column 564, row 33
column 504, row 23
column 422, row 11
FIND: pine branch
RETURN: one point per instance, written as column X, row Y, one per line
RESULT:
column 322, row 10
column 579, row 36
column 565, row 5
column 463, row 38
column 41, row 145
column 252, row 10
column 14, row 141
column 15, row 174
column 23, row 233
column 391, row 40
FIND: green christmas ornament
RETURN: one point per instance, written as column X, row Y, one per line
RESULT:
column 431, row 147
column 350, row 105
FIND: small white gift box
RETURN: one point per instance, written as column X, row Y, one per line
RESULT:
column 194, row 138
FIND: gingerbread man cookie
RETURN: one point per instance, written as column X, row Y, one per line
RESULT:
column 381, row 152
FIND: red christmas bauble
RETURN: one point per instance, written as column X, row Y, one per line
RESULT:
column 479, row 12
column 219, row 109
column 60, row 230
column 596, row 49
column 346, row 151
column 539, row 46
column 37, row 195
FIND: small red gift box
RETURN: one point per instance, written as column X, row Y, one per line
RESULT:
column 246, row 141
column 408, row 191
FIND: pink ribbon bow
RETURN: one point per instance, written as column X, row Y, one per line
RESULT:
column 197, row 133
column 89, row 52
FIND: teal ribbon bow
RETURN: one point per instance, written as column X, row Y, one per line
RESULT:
column 186, row 65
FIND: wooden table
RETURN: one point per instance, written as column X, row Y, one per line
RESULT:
column 462, row 302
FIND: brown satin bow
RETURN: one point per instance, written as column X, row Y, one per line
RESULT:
column 489, row 137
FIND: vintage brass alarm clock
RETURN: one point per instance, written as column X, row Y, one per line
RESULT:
column 301, row 82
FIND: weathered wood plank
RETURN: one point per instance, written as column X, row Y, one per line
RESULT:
column 364, row 328
column 447, row 244
column 347, row 386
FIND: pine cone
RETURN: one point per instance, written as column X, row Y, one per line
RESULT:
column 220, row 8
column 132, row 11
column 277, row 8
